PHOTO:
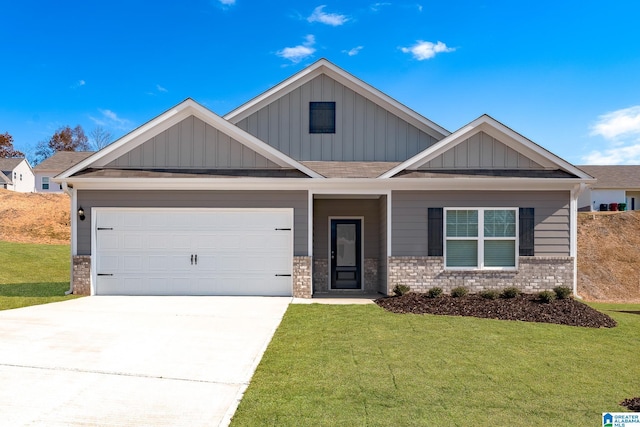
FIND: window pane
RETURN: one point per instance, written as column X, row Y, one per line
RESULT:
column 462, row 223
column 500, row 253
column 462, row 253
column 322, row 117
column 500, row 223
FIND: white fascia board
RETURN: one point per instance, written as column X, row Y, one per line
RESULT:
column 172, row 117
column 499, row 131
column 341, row 76
column 327, row 186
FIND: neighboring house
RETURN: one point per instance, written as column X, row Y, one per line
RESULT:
column 52, row 166
column 322, row 185
column 17, row 175
column 616, row 184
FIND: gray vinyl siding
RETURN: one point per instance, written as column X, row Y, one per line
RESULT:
column 192, row 144
column 409, row 211
column 481, row 151
column 298, row 200
column 367, row 208
column 382, row 231
column 364, row 131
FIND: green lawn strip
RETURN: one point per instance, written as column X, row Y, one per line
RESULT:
column 360, row 365
column 33, row 274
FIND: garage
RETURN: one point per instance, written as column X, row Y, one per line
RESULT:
column 175, row 251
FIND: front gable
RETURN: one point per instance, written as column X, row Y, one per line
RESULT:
column 369, row 125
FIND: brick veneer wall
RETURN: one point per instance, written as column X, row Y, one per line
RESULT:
column 81, row 275
column 534, row 274
column 321, row 275
column 301, row 277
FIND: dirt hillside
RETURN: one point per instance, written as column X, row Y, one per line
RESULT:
column 608, row 243
column 34, row 217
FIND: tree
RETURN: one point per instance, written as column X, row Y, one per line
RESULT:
column 6, row 147
column 100, row 137
column 64, row 139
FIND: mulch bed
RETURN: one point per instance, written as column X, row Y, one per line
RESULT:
column 526, row 308
column 632, row 404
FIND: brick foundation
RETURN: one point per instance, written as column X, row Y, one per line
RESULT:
column 534, row 274
column 81, row 275
column 321, row 275
column 301, row 277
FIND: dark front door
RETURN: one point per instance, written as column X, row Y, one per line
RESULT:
column 346, row 253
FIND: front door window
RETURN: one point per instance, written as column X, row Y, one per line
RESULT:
column 346, row 253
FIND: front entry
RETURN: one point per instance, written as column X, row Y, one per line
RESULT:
column 346, row 254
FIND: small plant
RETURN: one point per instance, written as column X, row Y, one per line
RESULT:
column 459, row 292
column 546, row 296
column 490, row 294
column 562, row 292
column 511, row 292
column 434, row 293
column 400, row 290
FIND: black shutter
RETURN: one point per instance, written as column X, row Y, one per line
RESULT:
column 434, row 224
column 527, row 224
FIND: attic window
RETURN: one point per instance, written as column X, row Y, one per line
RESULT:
column 322, row 117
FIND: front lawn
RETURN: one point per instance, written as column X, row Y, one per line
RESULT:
column 360, row 365
column 33, row 274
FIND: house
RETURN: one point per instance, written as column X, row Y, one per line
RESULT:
column 616, row 184
column 322, row 185
column 16, row 175
column 52, row 166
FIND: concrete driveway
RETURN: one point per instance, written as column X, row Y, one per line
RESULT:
column 132, row 361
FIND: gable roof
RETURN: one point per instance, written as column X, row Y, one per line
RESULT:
column 62, row 160
column 10, row 164
column 614, row 176
column 323, row 66
column 4, row 178
column 164, row 121
column 506, row 135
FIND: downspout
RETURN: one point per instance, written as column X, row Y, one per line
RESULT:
column 575, row 193
column 69, row 190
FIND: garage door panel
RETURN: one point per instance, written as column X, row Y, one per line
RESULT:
column 149, row 252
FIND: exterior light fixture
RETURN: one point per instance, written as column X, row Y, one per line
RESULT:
column 81, row 214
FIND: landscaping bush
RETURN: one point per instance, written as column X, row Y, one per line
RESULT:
column 490, row 294
column 400, row 290
column 562, row 292
column 434, row 292
column 511, row 292
column 546, row 296
column 459, row 292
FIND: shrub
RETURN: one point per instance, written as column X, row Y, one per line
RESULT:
column 459, row 292
column 546, row 296
column 510, row 292
column 400, row 290
column 562, row 292
column 490, row 294
column 434, row 292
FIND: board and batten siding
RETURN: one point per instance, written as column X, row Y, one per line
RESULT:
column 481, row 151
column 192, row 144
column 364, row 131
column 409, row 216
column 298, row 200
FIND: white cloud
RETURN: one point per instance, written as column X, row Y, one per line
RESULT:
column 298, row 53
column 354, row 51
column 161, row 89
column 426, row 50
column 616, row 124
column 375, row 7
column 78, row 84
column 333, row 19
column 110, row 119
column 621, row 129
column 419, row 8
column 227, row 2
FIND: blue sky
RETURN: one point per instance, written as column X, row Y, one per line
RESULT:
column 565, row 74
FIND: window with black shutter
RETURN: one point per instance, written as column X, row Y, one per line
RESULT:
column 322, row 117
column 527, row 225
column 434, row 244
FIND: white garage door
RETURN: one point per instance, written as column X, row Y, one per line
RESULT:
column 193, row 252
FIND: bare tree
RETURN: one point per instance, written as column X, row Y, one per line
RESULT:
column 100, row 137
column 6, row 147
column 64, row 139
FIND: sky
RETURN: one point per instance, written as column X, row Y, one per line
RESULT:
column 565, row 74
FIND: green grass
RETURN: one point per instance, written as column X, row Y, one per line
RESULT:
column 33, row 274
column 362, row 366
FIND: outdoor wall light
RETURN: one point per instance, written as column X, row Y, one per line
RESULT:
column 81, row 214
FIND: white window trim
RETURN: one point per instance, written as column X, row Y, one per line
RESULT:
column 48, row 183
column 481, row 239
